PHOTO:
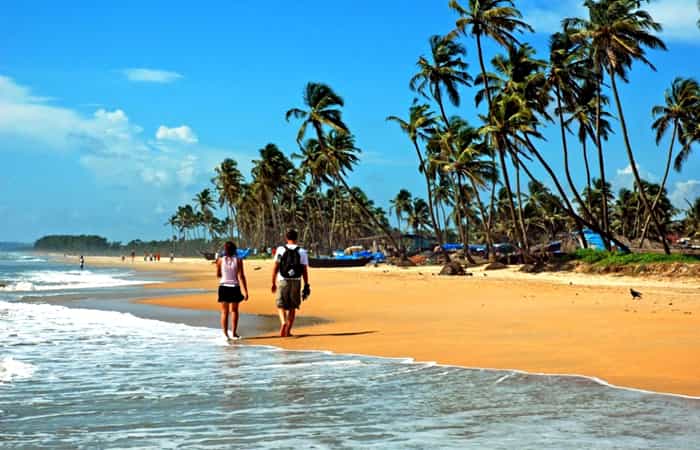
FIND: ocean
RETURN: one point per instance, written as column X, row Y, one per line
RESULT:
column 76, row 377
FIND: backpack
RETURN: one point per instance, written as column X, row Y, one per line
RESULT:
column 290, row 263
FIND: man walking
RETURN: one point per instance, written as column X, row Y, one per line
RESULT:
column 291, row 266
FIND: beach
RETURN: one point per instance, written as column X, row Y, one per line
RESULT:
column 563, row 323
column 93, row 358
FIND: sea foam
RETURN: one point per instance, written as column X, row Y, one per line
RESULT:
column 12, row 369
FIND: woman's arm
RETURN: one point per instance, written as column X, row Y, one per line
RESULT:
column 241, row 277
column 218, row 268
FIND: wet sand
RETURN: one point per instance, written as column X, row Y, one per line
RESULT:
column 546, row 323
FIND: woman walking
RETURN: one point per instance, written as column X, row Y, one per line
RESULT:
column 231, row 274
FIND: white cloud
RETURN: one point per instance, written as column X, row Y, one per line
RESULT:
column 151, row 75
column 545, row 16
column 107, row 142
column 678, row 17
column 625, row 178
column 186, row 170
column 684, row 190
column 183, row 133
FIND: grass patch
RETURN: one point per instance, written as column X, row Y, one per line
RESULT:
column 599, row 258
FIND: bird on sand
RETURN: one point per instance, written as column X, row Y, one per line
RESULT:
column 635, row 294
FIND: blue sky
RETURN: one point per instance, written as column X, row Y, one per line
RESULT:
column 112, row 116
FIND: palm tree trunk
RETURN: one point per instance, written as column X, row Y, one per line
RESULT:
column 633, row 165
column 487, row 230
column 601, row 165
column 588, row 175
column 464, row 232
column 565, row 148
column 567, row 204
column 428, row 184
column 333, row 216
column 438, row 98
column 492, row 201
column 369, row 214
column 509, row 192
column 521, row 219
column 645, row 228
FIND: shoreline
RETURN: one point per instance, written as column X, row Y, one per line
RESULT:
column 520, row 323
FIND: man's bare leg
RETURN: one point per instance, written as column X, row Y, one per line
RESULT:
column 283, row 321
column 290, row 320
column 224, row 318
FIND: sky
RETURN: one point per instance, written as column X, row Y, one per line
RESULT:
column 114, row 113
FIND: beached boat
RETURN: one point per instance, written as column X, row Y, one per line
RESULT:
column 209, row 256
column 242, row 253
column 338, row 262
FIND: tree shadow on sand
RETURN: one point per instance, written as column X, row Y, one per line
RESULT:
column 304, row 335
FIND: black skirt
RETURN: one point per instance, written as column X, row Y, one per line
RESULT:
column 230, row 294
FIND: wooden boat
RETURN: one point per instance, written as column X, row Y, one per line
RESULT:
column 333, row 262
column 209, row 256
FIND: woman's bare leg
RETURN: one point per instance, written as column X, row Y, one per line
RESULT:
column 234, row 319
column 224, row 318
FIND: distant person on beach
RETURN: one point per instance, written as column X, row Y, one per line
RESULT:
column 82, row 262
column 231, row 274
column 172, row 256
column 291, row 266
column 133, row 255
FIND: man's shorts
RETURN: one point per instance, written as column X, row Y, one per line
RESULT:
column 288, row 294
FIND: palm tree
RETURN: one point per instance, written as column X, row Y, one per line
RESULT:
column 692, row 217
column 689, row 136
column 447, row 71
column 419, row 124
column 270, row 173
column 510, row 122
column 401, row 204
column 584, row 114
column 323, row 110
column 495, row 19
column 466, row 159
column 617, row 32
column 205, row 202
column 567, row 69
column 228, row 182
column 682, row 104
column 418, row 217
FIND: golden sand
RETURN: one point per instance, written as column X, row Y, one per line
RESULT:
column 546, row 323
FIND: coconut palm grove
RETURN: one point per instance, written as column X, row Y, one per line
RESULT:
column 479, row 183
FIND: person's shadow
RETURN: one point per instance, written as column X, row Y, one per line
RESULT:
column 299, row 336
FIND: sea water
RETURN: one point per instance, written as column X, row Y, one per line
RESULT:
column 82, row 378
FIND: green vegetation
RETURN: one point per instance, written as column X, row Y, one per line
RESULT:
column 478, row 176
column 98, row 245
column 605, row 259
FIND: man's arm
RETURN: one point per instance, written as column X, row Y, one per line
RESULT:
column 275, row 270
column 305, row 275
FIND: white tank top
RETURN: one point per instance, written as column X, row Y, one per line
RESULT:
column 229, row 271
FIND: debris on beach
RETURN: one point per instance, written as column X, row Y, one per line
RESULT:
column 453, row 268
column 495, row 266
